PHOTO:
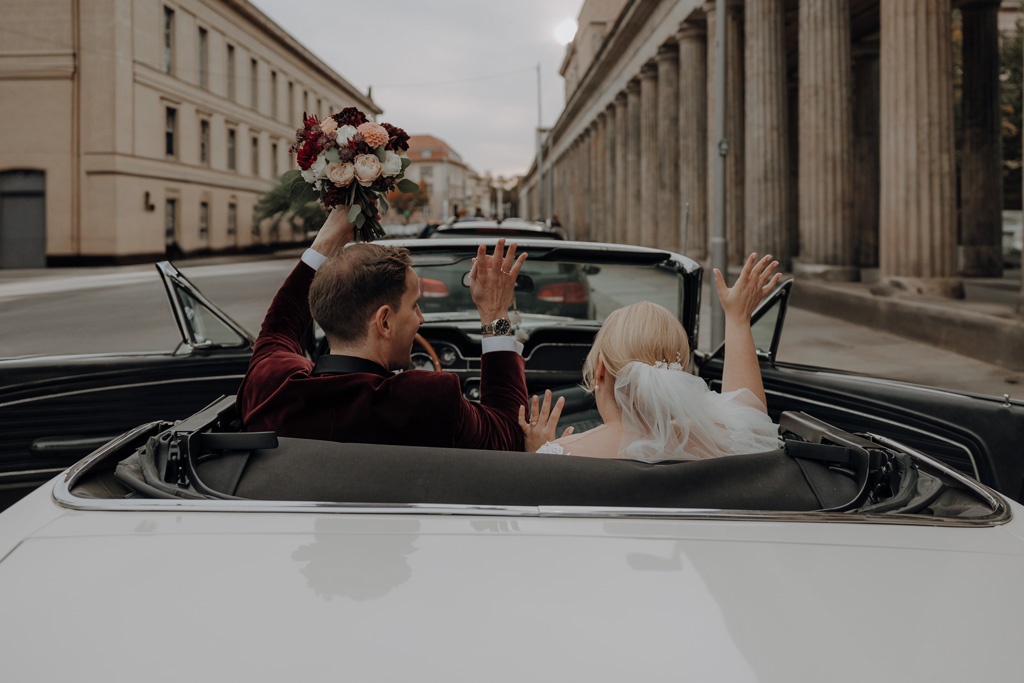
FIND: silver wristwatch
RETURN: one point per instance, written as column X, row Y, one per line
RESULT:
column 500, row 327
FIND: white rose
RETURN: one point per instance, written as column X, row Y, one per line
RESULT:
column 319, row 167
column 309, row 176
column 345, row 134
column 367, row 168
column 392, row 165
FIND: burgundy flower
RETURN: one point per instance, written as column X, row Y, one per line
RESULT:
column 307, row 154
column 350, row 116
column 398, row 139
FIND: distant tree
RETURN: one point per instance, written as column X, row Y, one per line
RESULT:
column 406, row 203
column 282, row 205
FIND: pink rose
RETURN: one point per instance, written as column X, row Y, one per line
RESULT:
column 341, row 174
column 367, row 167
column 373, row 134
column 328, row 126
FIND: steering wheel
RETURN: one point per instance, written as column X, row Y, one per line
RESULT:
column 430, row 351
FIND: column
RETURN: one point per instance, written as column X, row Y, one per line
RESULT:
column 667, row 200
column 587, row 168
column 598, row 197
column 633, row 162
column 621, row 174
column 917, row 214
column 609, row 173
column 766, row 161
column 826, row 139
column 733, row 125
column 693, row 140
column 648, row 206
column 981, row 171
column 865, row 154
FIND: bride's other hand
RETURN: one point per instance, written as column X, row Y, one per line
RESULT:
column 755, row 282
column 543, row 422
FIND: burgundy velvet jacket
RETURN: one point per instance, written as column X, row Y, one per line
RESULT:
column 281, row 393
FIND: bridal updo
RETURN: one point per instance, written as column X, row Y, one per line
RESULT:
column 644, row 332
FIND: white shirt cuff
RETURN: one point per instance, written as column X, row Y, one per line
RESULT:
column 501, row 342
column 313, row 259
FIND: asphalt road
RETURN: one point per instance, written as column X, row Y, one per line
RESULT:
column 125, row 310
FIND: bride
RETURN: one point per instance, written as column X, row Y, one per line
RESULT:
column 652, row 408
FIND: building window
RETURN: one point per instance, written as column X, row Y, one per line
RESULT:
column 273, row 94
column 255, row 155
column 232, row 219
column 305, row 102
column 168, row 40
column 232, row 138
column 426, row 171
column 291, row 102
column 254, row 98
column 204, row 60
column 273, row 159
column 426, row 154
column 204, row 142
column 171, row 130
column 231, row 72
column 171, row 222
column 318, row 109
column 204, row 220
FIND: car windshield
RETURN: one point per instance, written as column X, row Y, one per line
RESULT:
column 571, row 290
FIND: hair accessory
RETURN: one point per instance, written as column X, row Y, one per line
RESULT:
column 674, row 365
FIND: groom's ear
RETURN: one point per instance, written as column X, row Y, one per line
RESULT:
column 380, row 322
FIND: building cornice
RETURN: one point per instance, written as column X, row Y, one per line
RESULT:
column 298, row 50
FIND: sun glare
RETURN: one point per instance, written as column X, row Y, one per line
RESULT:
column 565, row 32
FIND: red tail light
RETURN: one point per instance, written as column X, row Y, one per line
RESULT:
column 563, row 293
column 432, row 289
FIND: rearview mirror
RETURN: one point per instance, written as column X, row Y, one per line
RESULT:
column 524, row 283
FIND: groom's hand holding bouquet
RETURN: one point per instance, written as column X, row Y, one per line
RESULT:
column 348, row 160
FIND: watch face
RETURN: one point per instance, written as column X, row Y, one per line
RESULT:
column 502, row 326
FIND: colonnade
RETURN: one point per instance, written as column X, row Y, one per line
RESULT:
column 840, row 143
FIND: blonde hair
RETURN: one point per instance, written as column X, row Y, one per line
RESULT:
column 644, row 332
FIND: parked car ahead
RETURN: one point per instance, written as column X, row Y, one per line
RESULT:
column 509, row 228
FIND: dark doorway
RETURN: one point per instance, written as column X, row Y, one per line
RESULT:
column 22, row 219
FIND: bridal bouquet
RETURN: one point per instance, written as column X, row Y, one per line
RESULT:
column 348, row 160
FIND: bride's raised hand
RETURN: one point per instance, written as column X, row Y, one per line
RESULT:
column 754, row 283
column 543, row 422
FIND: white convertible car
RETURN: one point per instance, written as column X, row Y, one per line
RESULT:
column 862, row 549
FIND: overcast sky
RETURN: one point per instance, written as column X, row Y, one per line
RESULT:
column 462, row 70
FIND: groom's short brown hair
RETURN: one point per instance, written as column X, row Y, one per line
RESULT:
column 350, row 286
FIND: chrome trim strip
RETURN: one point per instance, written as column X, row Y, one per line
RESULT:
column 63, row 497
column 79, row 392
column 47, row 472
column 970, row 456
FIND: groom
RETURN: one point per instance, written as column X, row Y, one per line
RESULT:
column 365, row 297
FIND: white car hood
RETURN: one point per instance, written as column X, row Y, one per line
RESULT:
column 306, row 597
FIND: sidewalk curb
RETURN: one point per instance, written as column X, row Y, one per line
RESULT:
column 987, row 338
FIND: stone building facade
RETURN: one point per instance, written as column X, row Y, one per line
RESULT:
column 839, row 130
column 132, row 128
column 453, row 187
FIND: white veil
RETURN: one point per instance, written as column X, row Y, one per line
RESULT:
column 669, row 414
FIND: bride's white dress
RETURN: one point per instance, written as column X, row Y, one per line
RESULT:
column 669, row 414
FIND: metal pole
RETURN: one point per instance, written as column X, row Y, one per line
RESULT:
column 719, row 251
column 540, row 154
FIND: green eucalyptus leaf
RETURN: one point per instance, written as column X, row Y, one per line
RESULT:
column 405, row 162
column 379, row 151
column 383, row 204
column 407, row 186
column 355, row 213
column 359, row 220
